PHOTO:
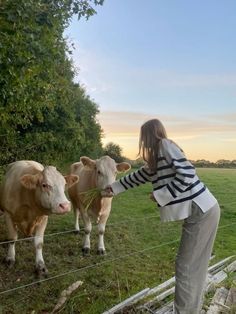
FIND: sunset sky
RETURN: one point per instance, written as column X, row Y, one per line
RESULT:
column 169, row 59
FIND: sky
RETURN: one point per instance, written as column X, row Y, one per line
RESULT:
column 174, row 60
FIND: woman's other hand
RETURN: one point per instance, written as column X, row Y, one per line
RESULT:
column 152, row 198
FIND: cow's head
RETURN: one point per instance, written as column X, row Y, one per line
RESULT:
column 105, row 169
column 49, row 186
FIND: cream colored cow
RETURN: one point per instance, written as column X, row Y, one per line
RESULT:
column 93, row 174
column 28, row 194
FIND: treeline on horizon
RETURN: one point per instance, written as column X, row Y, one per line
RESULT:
column 44, row 115
column 221, row 163
column 201, row 163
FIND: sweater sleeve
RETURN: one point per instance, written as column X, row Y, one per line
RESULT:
column 184, row 174
column 132, row 180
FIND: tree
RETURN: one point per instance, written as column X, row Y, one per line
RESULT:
column 42, row 111
column 114, row 151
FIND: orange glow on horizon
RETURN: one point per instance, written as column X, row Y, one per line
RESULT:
column 199, row 139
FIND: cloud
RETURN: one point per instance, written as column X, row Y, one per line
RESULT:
column 88, row 69
column 208, row 136
column 229, row 140
column 173, row 79
column 186, row 127
column 95, row 67
column 115, row 121
column 228, row 118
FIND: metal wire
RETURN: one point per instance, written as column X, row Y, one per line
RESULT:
column 87, row 267
column 96, row 265
column 108, row 225
column 74, row 230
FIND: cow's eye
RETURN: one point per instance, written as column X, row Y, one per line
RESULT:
column 99, row 172
column 47, row 187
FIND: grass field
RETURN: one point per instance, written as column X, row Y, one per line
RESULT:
column 140, row 253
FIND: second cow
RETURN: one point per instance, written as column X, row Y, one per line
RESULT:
column 93, row 174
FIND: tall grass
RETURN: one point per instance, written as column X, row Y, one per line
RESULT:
column 134, row 226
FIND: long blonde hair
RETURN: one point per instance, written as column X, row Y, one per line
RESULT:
column 151, row 133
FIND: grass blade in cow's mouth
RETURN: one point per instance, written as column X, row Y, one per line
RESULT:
column 90, row 196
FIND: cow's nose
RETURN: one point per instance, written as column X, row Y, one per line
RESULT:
column 65, row 207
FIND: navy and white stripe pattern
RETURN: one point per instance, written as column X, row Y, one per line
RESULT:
column 136, row 178
column 175, row 180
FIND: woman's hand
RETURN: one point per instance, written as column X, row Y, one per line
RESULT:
column 107, row 192
column 152, row 198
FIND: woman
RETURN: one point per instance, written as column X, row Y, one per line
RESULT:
column 181, row 196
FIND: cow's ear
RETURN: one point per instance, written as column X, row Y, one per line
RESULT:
column 123, row 167
column 74, row 167
column 87, row 162
column 30, row 181
column 71, row 179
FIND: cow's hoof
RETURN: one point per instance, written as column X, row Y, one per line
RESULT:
column 77, row 232
column 101, row 252
column 85, row 251
column 9, row 262
column 41, row 270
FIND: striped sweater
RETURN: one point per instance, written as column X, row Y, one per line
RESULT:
column 175, row 184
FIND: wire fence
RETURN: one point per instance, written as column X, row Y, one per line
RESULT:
column 124, row 221
column 88, row 267
column 96, row 264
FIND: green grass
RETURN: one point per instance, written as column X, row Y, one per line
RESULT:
column 133, row 226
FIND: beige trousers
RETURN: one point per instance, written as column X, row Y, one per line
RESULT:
column 198, row 235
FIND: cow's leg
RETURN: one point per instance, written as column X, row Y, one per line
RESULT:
column 101, row 230
column 38, row 243
column 12, row 236
column 87, row 230
column 76, row 212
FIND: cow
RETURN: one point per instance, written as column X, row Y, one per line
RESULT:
column 93, row 174
column 29, row 193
